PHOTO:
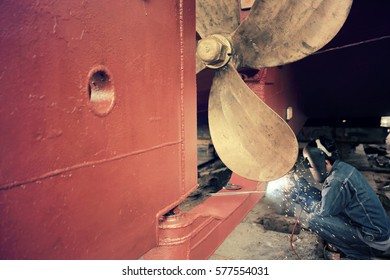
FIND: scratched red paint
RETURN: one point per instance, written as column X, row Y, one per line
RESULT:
column 79, row 184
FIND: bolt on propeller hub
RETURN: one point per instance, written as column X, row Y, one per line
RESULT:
column 215, row 51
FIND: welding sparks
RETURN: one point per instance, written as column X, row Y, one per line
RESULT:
column 277, row 187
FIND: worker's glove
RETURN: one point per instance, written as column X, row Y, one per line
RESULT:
column 302, row 193
column 297, row 186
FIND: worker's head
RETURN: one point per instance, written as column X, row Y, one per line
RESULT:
column 320, row 154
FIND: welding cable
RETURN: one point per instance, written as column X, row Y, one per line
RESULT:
column 292, row 234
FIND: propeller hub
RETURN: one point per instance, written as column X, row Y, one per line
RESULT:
column 209, row 50
column 214, row 50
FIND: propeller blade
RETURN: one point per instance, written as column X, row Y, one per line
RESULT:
column 249, row 137
column 216, row 17
column 282, row 31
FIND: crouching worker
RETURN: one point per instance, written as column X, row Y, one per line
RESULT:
column 347, row 212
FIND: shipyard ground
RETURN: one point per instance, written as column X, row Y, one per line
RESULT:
column 251, row 241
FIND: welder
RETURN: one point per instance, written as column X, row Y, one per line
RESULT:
column 347, row 214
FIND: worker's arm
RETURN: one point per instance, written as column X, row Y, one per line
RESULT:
column 335, row 197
